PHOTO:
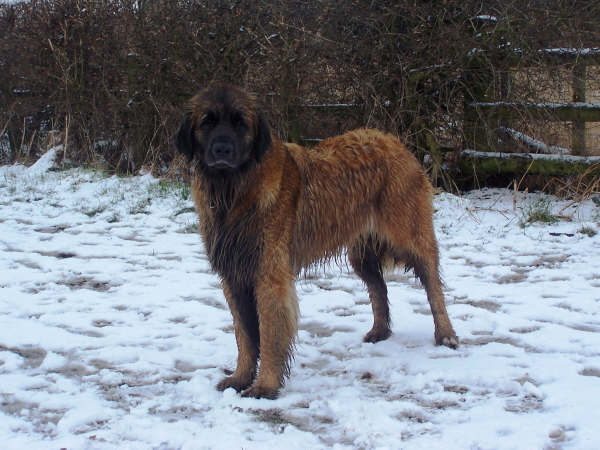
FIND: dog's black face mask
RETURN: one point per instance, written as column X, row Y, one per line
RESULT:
column 223, row 132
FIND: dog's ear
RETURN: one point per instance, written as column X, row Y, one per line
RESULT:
column 262, row 140
column 185, row 137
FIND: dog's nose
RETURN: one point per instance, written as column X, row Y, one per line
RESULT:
column 222, row 150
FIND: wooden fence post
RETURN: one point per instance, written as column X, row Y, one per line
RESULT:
column 578, row 126
column 477, row 81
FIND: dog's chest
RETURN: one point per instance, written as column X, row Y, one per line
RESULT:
column 234, row 247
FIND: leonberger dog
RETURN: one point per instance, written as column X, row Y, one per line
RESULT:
column 268, row 209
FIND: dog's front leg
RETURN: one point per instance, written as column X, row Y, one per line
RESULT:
column 277, row 307
column 242, row 304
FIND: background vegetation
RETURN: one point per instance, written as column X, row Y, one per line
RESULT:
column 108, row 78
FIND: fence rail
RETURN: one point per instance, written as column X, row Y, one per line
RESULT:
column 568, row 112
column 482, row 117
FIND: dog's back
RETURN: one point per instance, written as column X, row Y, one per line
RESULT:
column 352, row 185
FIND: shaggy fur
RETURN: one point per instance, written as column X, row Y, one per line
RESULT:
column 268, row 209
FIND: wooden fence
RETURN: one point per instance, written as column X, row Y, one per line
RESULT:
column 485, row 121
column 482, row 118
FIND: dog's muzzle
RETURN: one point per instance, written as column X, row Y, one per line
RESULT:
column 222, row 152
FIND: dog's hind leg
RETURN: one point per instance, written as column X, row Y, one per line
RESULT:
column 421, row 254
column 425, row 264
column 365, row 259
column 407, row 226
column 242, row 305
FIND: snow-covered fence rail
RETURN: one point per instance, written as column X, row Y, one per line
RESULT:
column 570, row 112
column 490, row 166
column 482, row 118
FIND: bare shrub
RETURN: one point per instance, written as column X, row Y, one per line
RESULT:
column 118, row 71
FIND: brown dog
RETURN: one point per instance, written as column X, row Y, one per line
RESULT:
column 269, row 209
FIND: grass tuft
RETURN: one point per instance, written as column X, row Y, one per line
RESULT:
column 538, row 211
column 164, row 189
column 588, row 231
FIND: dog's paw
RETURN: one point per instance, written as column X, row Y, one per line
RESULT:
column 450, row 340
column 377, row 334
column 237, row 383
column 261, row 392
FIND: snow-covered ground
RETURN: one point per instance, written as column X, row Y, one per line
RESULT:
column 113, row 331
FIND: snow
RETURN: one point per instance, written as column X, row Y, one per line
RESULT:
column 485, row 17
column 572, row 51
column 587, row 160
column 538, row 145
column 571, row 105
column 114, row 332
column 45, row 163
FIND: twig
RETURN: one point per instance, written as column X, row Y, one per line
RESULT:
column 66, row 143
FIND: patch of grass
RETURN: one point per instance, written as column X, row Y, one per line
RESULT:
column 537, row 211
column 190, row 228
column 588, row 231
column 74, row 187
column 95, row 211
column 118, row 196
column 160, row 189
column 164, row 189
column 190, row 209
column 141, row 206
column 114, row 217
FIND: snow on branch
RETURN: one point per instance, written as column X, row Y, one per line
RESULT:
column 586, row 160
column 572, row 51
column 534, row 144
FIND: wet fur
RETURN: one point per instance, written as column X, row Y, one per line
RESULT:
column 285, row 208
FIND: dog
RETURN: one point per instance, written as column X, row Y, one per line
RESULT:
column 268, row 209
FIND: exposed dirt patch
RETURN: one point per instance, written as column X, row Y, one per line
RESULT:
column 179, row 412
column 476, row 264
column 482, row 333
column 133, row 236
column 83, row 332
column 590, row 372
column 585, row 327
column 29, row 264
column 456, row 389
column 278, row 420
column 327, row 285
column 526, row 379
column 208, row 301
column 32, row 356
column 413, row 416
column 187, row 366
column 101, row 323
column 84, row 282
column 178, row 319
column 52, row 229
column 511, row 278
column 169, row 257
column 550, row 261
column 43, row 419
column 484, row 340
column 58, row 254
column 524, row 330
column 567, row 306
column 73, row 369
column 484, row 304
column 317, row 329
column 525, row 404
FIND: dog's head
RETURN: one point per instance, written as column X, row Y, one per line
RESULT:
column 223, row 131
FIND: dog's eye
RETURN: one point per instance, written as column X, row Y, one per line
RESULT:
column 209, row 119
column 237, row 121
